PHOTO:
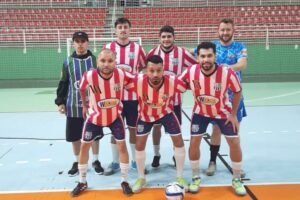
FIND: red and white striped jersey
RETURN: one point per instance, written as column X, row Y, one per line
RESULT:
column 210, row 92
column 153, row 103
column 104, row 95
column 129, row 57
column 175, row 61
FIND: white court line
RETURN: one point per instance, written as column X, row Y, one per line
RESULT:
column 252, row 132
column 267, row 131
column 298, row 131
column 284, row 132
column 209, row 185
column 273, row 97
column 22, row 162
column 45, row 159
column 24, row 143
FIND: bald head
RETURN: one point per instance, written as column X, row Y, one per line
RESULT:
column 106, row 62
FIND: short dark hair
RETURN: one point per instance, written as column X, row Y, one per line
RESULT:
column 156, row 59
column 206, row 45
column 227, row 21
column 168, row 29
column 122, row 20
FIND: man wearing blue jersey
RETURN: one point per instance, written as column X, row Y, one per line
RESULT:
column 231, row 54
column 68, row 98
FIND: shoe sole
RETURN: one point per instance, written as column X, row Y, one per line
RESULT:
column 99, row 173
column 71, row 175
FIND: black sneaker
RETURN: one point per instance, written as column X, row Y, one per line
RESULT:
column 78, row 189
column 98, row 168
column 126, row 188
column 174, row 160
column 74, row 170
column 155, row 162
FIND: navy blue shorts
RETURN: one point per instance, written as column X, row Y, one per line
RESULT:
column 177, row 111
column 92, row 132
column 199, row 125
column 169, row 122
column 130, row 112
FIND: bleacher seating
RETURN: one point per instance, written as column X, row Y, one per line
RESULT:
column 259, row 16
column 14, row 21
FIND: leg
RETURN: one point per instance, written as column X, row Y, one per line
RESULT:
column 214, row 149
column 96, row 163
column 156, row 136
column 76, row 150
column 83, row 160
column 132, row 136
column 114, row 166
column 124, row 165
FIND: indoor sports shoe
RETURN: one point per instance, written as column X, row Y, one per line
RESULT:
column 138, row 185
column 97, row 167
column 79, row 189
column 155, row 162
column 211, row 169
column 133, row 164
column 126, row 188
column 238, row 187
column 74, row 170
column 195, row 184
column 111, row 169
column 182, row 182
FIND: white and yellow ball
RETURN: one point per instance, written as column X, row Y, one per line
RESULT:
column 174, row 191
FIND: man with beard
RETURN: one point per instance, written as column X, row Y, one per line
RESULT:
column 130, row 57
column 155, row 93
column 68, row 99
column 210, row 83
column 230, row 54
column 176, row 59
column 105, row 86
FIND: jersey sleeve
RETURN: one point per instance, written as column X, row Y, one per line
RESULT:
column 142, row 58
column 234, row 83
column 189, row 59
column 242, row 51
column 180, row 85
column 62, row 88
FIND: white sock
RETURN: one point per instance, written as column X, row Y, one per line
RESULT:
column 115, row 153
column 132, row 147
column 195, row 165
column 95, row 157
column 140, row 162
column 156, row 149
column 236, row 169
column 179, row 153
column 77, row 158
column 82, row 172
column 124, row 171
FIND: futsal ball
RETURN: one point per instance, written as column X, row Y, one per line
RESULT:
column 174, row 191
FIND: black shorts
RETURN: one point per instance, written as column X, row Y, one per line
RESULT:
column 74, row 129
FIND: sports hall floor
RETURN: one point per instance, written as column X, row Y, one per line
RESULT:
column 34, row 158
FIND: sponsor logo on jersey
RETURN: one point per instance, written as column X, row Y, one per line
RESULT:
column 76, row 85
column 108, row 103
column 195, row 128
column 117, row 87
column 175, row 61
column 207, row 100
column 131, row 55
column 244, row 52
column 217, row 87
column 169, row 73
column 125, row 67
